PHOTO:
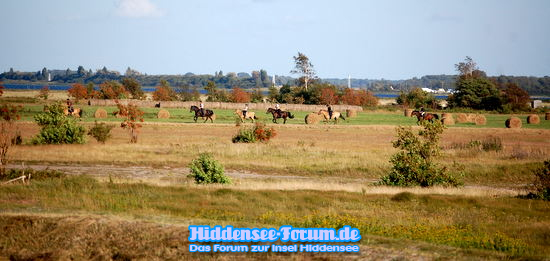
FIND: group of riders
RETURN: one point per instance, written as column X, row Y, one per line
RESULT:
column 244, row 110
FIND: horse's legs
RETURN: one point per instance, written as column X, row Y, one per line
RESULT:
column 284, row 120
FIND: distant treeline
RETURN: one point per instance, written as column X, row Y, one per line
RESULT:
column 260, row 79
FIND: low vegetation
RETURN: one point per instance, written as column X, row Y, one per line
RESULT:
column 132, row 117
column 414, row 165
column 206, row 170
column 34, row 174
column 499, row 225
column 57, row 128
column 101, row 131
column 252, row 134
column 542, row 182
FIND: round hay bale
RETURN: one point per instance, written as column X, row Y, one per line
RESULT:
column 408, row 112
column 448, row 120
column 480, row 120
column 513, row 122
column 471, row 117
column 163, row 114
column 461, row 118
column 547, row 116
column 351, row 113
column 312, row 118
column 533, row 119
column 100, row 113
column 447, row 115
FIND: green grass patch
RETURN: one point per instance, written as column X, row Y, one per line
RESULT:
column 516, row 227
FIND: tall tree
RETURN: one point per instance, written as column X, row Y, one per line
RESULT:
column 516, row 98
column 265, row 79
column 303, row 68
column 81, row 72
column 133, row 86
column 466, row 68
column 474, row 89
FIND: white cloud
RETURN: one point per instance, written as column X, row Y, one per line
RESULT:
column 137, row 9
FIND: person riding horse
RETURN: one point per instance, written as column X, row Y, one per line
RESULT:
column 70, row 107
column 201, row 107
column 278, row 109
column 245, row 110
column 329, row 109
column 422, row 112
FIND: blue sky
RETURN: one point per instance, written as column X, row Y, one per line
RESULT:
column 392, row 39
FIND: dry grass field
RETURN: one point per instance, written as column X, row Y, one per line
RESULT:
column 357, row 152
column 132, row 196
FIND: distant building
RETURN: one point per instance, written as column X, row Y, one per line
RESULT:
column 536, row 103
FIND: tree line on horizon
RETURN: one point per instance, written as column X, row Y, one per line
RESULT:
column 261, row 79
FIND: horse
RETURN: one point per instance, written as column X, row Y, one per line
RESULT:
column 249, row 115
column 335, row 115
column 77, row 112
column 282, row 114
column 207, row 113
column 427, row 116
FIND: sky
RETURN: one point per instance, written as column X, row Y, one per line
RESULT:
column 384, row 39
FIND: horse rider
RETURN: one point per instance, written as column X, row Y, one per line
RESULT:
column 70, row 107
column 278, row 109
column 201, row 107
column 422, row 112
column 245, row 110
column 329, row 109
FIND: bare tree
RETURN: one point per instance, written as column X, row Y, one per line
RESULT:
column 303, row 67
column 467, row 67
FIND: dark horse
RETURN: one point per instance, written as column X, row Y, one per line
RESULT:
column 207, row 113
column 282, row 114
column 427, row 116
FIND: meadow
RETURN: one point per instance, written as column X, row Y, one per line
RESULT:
column 308, row 176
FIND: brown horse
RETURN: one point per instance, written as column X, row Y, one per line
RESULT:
column 208, row 114
column 427, row 116
column 77, row 112
column 249, row 115
column 335, row 115
column 280, row 114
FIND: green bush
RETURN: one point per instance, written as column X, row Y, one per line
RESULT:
column 56, row 128
column 413, row 165
column 542, row 181
column 206, row 170
column 258, row 133
column 101, row 132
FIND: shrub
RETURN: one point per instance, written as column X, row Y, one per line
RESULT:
column 413, row 165
column 492, row 143
column 56, row 128
column 258, row 133
column 245, row 135
column 9, row 133
column 132, row 115
column 206, row 170
column 239, row 95
column 44, row 92
column 542, row 181
column 101, row 132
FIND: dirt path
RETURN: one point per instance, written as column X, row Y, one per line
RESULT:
column 245, row 180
